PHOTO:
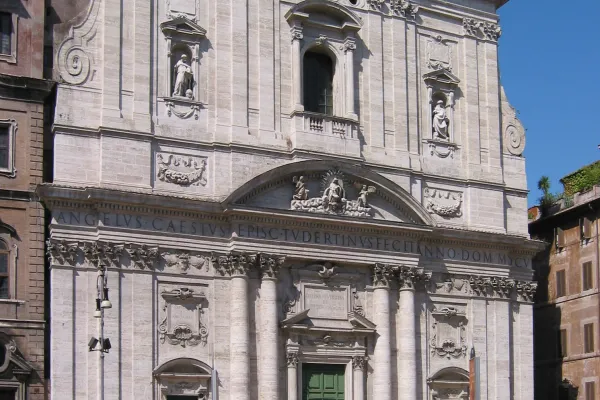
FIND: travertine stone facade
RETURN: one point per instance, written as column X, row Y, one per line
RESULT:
column 386, row 234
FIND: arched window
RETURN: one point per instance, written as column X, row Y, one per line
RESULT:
column 4, row 270
column 318, row 83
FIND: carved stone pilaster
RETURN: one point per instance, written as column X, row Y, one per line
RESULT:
column 408, row 277
column 270, row 266
column 526, row 290
column 358, row 363
column 292, row 360
column 61, row 252
column 235, row 264
column 382, row 275
column 143, row 257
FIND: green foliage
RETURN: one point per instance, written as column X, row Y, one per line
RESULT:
column 582, row 180
column 544, row 185
column 547, row 198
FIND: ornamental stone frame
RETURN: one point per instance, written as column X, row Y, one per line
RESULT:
column 341, row 38
column 183, row 377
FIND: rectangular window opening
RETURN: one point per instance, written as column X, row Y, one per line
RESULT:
column 588, row 338
column 561, row 285
column 4, row 146
column 6, row 30
column 587, row 272
column 562, row 343
column 590, row 391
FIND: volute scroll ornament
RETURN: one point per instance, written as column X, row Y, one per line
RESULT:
column 74, row 61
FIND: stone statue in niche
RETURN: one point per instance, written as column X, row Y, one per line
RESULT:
column 184, row 78
column 334, row 196
column 301, row 192
column 441, row 122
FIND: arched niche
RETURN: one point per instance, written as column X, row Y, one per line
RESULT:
column 183, row 377
column 449, row 384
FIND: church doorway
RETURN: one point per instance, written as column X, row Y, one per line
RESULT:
column 323, row 382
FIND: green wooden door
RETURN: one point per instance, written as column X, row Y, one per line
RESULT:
column 322, row 382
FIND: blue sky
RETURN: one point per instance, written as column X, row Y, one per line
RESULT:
column 550, row 69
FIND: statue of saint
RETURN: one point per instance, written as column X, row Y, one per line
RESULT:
column 301, row 192
column 334, row 195
column 183, row 77
column 364, row 193
column 440, row 122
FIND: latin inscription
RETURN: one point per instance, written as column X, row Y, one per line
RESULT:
column 283, row 234
column 326, row 303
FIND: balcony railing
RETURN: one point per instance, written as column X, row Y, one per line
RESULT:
column 327, row 124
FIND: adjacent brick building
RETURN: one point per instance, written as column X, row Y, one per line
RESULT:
column 25, row 101
column 567, row 362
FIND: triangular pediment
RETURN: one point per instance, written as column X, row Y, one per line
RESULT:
column 318, row 188
column 442, row 76
column 183, row 26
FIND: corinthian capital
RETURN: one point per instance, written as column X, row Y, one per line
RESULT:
column 234, row 264
column 270, row 266
column 409, row 276
column 382, row 274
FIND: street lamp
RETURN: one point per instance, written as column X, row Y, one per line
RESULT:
column 101, row 344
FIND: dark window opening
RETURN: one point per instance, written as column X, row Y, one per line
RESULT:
column 6, row 30
column 4, row 260
column 587, row 276
column 562, row 343
column 590, row 391
column 561, row 284
column 4, row 146
column 588, row 338
column 318, row 83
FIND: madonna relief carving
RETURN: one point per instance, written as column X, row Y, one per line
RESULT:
column 333, row 198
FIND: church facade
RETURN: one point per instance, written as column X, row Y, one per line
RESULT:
column 259, row 199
